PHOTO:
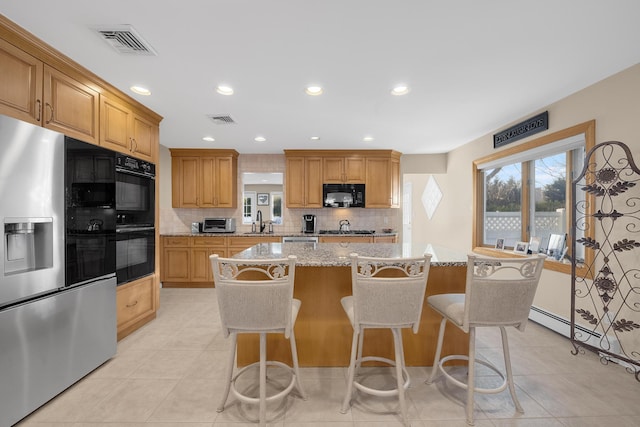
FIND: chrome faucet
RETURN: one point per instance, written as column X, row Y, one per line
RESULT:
column 261, row 224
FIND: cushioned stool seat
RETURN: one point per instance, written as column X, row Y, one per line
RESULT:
column 499, row 293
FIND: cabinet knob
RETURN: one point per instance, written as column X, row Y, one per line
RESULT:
column 133, row 304
column 39, row 110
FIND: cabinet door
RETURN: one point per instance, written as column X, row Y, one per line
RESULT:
column 200, row 265
column 313, row 182
column 354, row 170
column 295, row 187
column 333, row 170
column 184, row 182
column 144, row 136
column 20, row 85
column 175, row 265
column 70, row 107
column 115, row 120
column 378, row 190
column 226, row 191
column 134, row 301
column 207, row 196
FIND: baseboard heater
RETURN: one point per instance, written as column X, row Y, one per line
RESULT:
column 563, row 326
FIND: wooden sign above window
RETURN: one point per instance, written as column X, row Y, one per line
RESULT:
column 522, row 130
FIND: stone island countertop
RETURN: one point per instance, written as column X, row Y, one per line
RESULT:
column 337, row 254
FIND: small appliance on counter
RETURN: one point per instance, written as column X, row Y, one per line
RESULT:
column 219, row 225
column 309, row 224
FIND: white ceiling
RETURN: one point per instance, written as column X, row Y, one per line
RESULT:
column 472, row 66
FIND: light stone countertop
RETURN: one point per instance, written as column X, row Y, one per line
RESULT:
column 277, row 234
column 337, row 254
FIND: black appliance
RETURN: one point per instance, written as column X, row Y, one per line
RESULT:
column 309, row 223
column 135, row 218
column 90, row 211
column 343, row 195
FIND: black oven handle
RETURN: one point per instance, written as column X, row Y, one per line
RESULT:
column 132, row 229
column 134, row 173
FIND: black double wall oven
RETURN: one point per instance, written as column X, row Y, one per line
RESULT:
column 135, row 218
column 110, row 214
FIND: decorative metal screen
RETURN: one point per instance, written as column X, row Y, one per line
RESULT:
column 605, row 304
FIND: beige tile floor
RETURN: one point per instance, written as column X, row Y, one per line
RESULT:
column 170, row 373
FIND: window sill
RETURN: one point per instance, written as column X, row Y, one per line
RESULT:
column 549, row 264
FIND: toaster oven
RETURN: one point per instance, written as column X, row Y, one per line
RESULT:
column 219, row 225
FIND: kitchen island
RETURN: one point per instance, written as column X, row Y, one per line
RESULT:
column 323, row 277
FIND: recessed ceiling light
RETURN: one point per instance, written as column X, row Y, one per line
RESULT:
column 400, row 90
column 224, row 90
column 140, row 90
column 315, row 138
column 313, row 90
column 367, row 139
column 208, row 139
column 259, row 139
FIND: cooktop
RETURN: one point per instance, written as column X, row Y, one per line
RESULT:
column 347, row 232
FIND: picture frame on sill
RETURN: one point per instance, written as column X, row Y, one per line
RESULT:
column 263, row 199
column 500, row 243
column 534, row 244
column 521, row 248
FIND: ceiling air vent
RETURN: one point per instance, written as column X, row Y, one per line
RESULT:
column 222, row 119
column 125, row 39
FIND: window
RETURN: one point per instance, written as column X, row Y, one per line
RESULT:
column 276, row 207
column 248, row 206
column 524, row 193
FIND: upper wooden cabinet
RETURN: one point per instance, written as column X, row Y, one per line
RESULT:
column 70, row 107
column 383, row 181
column 339, row 170
column 303, row 176
column 37, row 93
column 204, row 178
column 21, row 84
column 307, row 170
column 123, row 129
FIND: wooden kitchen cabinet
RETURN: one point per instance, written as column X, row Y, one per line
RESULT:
column 383, row 182
column 37, row 93
column 204, row 178
column 386, row 239
column 135, row 305
column 70, row 107
column 175, row 259
column 338, row 170
column 201, row 249
column 124, row 130
column 21, row 84
column 303, row 177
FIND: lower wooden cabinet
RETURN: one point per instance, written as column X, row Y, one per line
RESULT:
column 135, row 305
column 386, row 239
column 185, row 259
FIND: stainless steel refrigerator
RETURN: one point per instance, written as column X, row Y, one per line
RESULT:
column 52, row 333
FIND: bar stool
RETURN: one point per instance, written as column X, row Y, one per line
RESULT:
column 387, row 293
column 499, row 293
column 256, row 296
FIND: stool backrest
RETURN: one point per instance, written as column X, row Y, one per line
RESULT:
column 254, row 295
column 389, row 292
column 500, row 291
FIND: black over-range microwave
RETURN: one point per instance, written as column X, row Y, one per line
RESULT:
column 343, row 195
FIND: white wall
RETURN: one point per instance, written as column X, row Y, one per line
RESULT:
column 615, row 105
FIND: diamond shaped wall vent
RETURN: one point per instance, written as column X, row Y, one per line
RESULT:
column 222, row 119
column 125, row 39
